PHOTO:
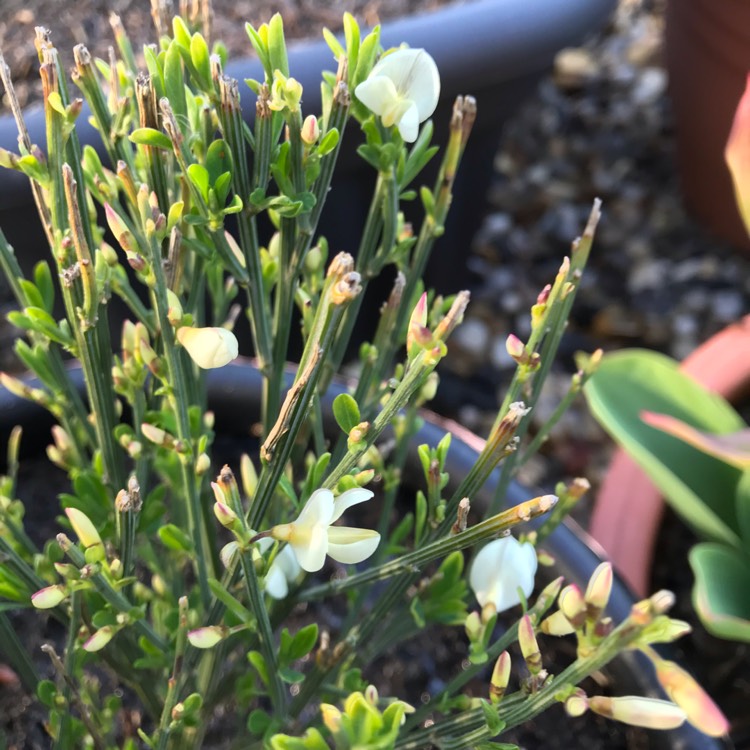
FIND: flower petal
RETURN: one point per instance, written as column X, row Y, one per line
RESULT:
column 310, row 551
column 348, row 545
column 414, row 75
column 377, row 93
column 737, row 155
column 209, row 347
column 408, row 125
column 500, row 569
column 347, row 499
column 275, row 583
column 318, row 509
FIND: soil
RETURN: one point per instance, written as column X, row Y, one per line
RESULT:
column 87, row 22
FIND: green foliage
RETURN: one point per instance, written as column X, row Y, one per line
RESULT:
column 669, row 424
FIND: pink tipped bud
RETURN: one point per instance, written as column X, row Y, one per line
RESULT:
column 99, row 639
column 224, row 514
column 310, row 130
column 557, row 624
column 573, row 605
column 544, row 295
column 701, row 711
column 418, row 335
column 120, row 230
column 640, row 712
column 577, row 704
column 528, row 644
column 207, row 637
column 515, row 347
column 84, row 529
column 599, row 589
column 500, row 677
column 48, row 597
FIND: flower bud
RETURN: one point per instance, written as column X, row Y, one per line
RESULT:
column 529, row 646
column 208, row 636
column 84, row 529
column 224, row 514
column 577, row 704
column 174, row 312
column 310, row 130
column 701, row 711
column 99, row 639
column 228, row 554
column 473, row 626
column 331, row 717
column 573, row 605
column 500, row 678
column 210, row 347
column 202, row 464
column 418, row 335
column 640, row 712
column 48, row 597
column 599, row 589
column 557, row 624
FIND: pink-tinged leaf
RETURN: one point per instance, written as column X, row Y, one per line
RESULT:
column 737, row 155
column 733, row 448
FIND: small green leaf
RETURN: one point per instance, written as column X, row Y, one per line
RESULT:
column 742, row 509
column 46, row 692
column 346, row 412
column 328, row 142
column 198, row 175
column 175, row 538
column 174, row 83
column 257, row 660
column 201, row 60
column 258, row 721
column 276, row 45
column 304, row 641
column 45, row 285
column 333, row 43
column 33, row 296
column 150, row 137
column 720, row 594
column 180, row 32
column 351, row 34
column 494, row 723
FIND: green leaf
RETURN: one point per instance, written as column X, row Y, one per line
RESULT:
column 45, row 285
column 333, row 43
column 175, row 538
column 232, row 604
column 351, row 34
column 328, row 142
column 150, row 137
column 201, row 60
column 198, row 175
column 720, row 594
column 46, row 691
column 700, row 488
column 346, row 412
column 494, row 723
column 33, row 296
column 276, row 45
column 742, row 508
column 256, row 659
column 304, row 641
column 258, row 721
column 368, row 51
column 180, row 32
column 174, row 83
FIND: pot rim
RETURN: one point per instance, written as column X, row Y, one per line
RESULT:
column 478, row 46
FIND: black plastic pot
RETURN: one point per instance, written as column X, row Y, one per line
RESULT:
column 495, row 50
column 234, row 397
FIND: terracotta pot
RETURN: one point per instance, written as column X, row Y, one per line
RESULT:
column 708, row 57
column 234, row 395
column 629, row 508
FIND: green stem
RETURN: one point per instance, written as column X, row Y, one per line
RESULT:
column 265, row 634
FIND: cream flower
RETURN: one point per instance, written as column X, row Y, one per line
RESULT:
column 284, row 570
column 500, row 569
column 312, row 536
column 209, row 347
column 403, row 89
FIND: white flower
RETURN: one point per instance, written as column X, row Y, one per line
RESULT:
column 500, row 569
column 209, row 347
column 312, row 536
column 284, row 570
column 403, row 89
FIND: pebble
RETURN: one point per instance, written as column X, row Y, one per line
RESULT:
column 574, row 67
column 472, row 336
